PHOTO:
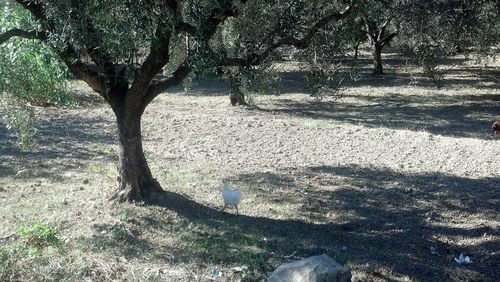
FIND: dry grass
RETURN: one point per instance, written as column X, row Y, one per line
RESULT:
column 373, row 179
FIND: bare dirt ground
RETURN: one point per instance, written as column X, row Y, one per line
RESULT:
column 374, row 179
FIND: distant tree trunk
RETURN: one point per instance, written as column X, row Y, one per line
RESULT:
column 356, row 50
column 236, row 96
column 377, row 60
column 135, row 181
column 377, row 38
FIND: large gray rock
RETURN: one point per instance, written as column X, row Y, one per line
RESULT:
column 312, row 269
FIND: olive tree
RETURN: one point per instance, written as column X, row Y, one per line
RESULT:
column 251, row 43
column 130, row 51
column 429, row 28
column 444, row 27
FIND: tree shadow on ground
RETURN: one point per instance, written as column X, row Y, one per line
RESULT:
column 464, row 116
column 65, row 140
column 361, row 69
column 377, row 221
column 206, row 86
column 358, row 73
column 467, row 116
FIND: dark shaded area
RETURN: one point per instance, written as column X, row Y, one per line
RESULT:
column 398, row 217
column 207, row 86
column 457, row 116
column 440, row 115
column 358, row 73
column 61, row 139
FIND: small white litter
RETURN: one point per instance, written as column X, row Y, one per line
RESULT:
column 463, row 260
column 215, row 272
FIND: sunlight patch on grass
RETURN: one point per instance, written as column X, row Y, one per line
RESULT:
column 317, row 123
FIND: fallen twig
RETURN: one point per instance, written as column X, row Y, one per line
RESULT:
column 5, row 238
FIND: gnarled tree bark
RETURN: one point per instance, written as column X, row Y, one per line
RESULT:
column 135, row 181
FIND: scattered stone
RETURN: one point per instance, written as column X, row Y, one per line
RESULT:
column 311, row 269
column 215, row 272
column 124, row 260
column 239, row 268
column 86, row 181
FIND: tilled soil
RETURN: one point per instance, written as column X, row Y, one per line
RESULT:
column 374, row 176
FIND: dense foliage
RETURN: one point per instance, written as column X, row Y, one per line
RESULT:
column 429, row 30
column 31, row 74
column 29, row 71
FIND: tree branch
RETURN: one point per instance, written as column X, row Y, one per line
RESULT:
column 370, row 30
column 388, row 38
column 382, row 29
column 186, row 27
column 217, row 16
column 93, row 40
column 16, row 32
column 156, row 87
column 86, row 72
column 143, row 89
column 35, row 7
column 157, row 58
column 302, row 43
column 306, row 39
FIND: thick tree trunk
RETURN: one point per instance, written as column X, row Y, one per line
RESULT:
column 236, row 96
column 134, row 176
column 377, row 60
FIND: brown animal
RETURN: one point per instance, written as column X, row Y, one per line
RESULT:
column 495, row 128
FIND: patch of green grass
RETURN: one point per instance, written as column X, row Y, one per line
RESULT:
column 6, row 263
column 38, row 235
column 95, row 168
column 177, row 178
column 107, row 150
column 317, row 123
column 51, row 265
column 31, row 250
column 20, row 120
column 102, row 169
column 124, row 216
